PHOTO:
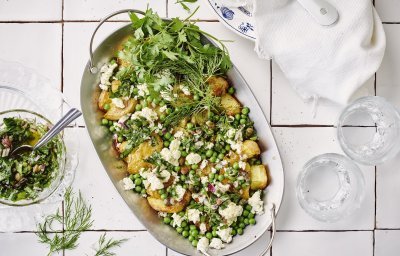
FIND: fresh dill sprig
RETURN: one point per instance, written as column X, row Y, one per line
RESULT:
column 104, row 245
column 77, row 219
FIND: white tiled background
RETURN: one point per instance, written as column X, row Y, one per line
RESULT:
column 52, row 37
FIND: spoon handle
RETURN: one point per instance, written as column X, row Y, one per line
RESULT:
column 322, row 11
column 71, row 115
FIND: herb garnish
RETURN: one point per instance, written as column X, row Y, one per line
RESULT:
column 105, row 245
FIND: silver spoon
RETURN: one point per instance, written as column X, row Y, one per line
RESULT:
column 323, row 12
column 71, row 115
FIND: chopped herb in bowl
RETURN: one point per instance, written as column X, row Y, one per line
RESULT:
column 30, row 176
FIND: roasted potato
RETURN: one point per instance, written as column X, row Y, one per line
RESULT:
column 230, row 105
column 136, row 159
column 104, row 98
column 115, row 84
column 245, row 193
column 200, row 118
column 233, row 158
column 250, row 149
column 159, row 205
column 115, row 113
column 218, row 85
column 258, row 177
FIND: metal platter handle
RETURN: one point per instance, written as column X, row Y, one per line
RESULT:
column 92, row 68
column 273, row 226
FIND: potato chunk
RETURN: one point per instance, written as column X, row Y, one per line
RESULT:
column 115, row 113
column 258, row 177
column 159, row 205
column 115, row 84
column 218, row 85
column 250, row 149
column 136, row 159
column 230, row 105
column 104, row 99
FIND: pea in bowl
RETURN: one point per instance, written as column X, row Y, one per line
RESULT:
column 31, row 177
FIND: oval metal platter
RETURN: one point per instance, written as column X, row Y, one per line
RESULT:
column 116, row 169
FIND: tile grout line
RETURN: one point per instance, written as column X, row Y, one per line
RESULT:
column 62, row 90
column 86, row 21
column 270, row 92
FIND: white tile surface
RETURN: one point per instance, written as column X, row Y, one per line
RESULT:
column 109, row 210
column 139, row 243
column 95, row 10
column 388, row 10
column 38, row 10
column 76, row 55
column 204, row 12
column 323, row 244
column 37, row 46
column 289, row 109
column 22, row 244
column 387, row 242
column 254, row 249
column 297, row 146
column 388, row 76
column 388, row 192
column 255, row 71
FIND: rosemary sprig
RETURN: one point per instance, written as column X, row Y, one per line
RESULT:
column 77, row 219
column 105, row 245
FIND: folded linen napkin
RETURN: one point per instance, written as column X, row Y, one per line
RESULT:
column 329, row 62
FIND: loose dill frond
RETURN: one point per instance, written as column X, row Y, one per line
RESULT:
column 76, row 220
column 104, row 246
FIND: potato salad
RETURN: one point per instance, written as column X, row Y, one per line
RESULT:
column 189, row 145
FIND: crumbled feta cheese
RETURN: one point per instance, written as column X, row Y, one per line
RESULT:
column 216, row 243
column 128, row 183
column 224, row 162
column 123, row 119
column 231, row 133
column 225, row 234
column 237, row 146
column 177, row 220
column 151, row 180
column 199, row 144
column 203, row 164
column 194, row 215
column 143, row 90
column 202, row 245
column 119, row 103
column 185, row 90
column 203, row 228
column 222, row 188
column 180, row 192
column 204, row 179
column 163, row 108
column 106, row 72
column 165, row 175
column 148, row 114
column 193, row 158
column 172, row 154
column 162, row 214
column 210, row 145
column 231, row 212
column 242, row 165
column 257, row 205
column 178, row 134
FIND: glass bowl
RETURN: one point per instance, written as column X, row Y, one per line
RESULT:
column 57, row 175
column 330, row 187
column 368, row 130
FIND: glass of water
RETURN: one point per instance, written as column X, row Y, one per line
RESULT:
column 369, row 130
column 330, row 187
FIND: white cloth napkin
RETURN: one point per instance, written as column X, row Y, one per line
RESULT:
column 329, row 62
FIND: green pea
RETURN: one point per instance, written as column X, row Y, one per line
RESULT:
column 243, row 121
column 215, row 154
column 195, row 166
column 242, row 225
column 227, row 147
column 138, row 181
column 237, row 116
column 179, row 230
column 233, row 232
column 214, row 233
column 112, row 129
column 184, row 153
column 162, row 117
column 143, row 191
column 251, row 215
column 135, row 91
column 221, row 177
column 120, row 139
column 221, row 156
column 189, row 125
column 211, row 176
column 183, row 177
column 192, row 227
column 138, row 189
column 231, row 90
column 107, row 107
column 137, row 175
column 239, row 231
column 245, row 110
column 194, row 243
column 183, row 224
column 236, row 166
column 167, row 220
column 209, row 153
column 167, row 135
column 144, row 104
column 213, row 159
column 162, row 103
column 149, row 99
column 246, row 221
column 209, row 235
column 196, row 97
column 194, row 232
column 138, row 107
column 104, row 121
column 177, row 168
column 156, row 101
column 185, row 233
column 252, row 221
column 191, row 238
column 168, row 111
column 166, row 143
column 248, row 207
column 164, row 196
column 245, row 213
